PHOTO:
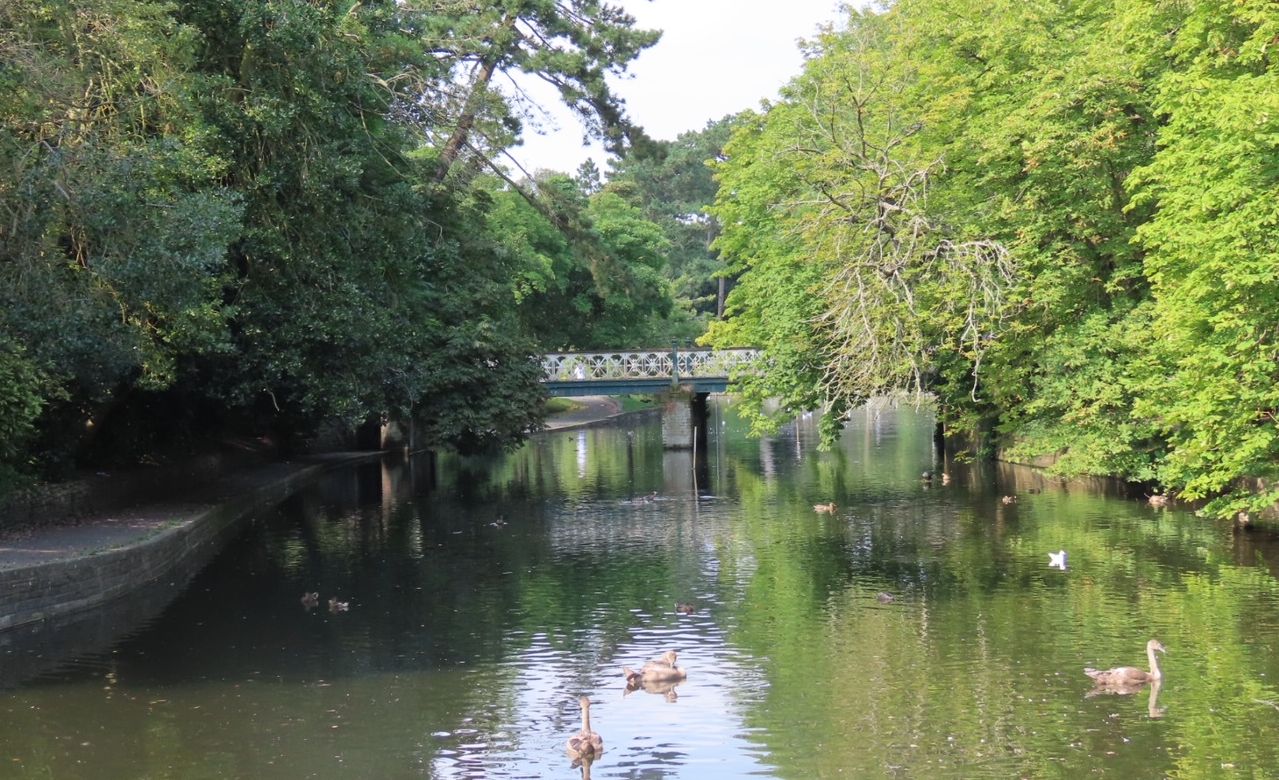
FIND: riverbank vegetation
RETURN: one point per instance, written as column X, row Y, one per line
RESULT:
column 273, row 217
column 1058, row 217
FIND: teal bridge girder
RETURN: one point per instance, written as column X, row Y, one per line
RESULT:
column 641, row 371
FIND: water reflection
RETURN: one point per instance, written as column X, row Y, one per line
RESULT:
column 486, row 595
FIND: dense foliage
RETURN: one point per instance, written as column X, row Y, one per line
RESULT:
column 1057, row 216
column 270, row 215
column 599, row 285
column 673, row 185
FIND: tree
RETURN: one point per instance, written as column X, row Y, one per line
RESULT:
column 23, row 394
column 588, row 177
column 220, row 208
column 116, row 225
column 675, row 188
column 1040, row 114
column 602, row 288
column 839, row 170
column 634, row 295
column 1118, row 153
column 1213, row 259
column 349, row 298
column 570, row 44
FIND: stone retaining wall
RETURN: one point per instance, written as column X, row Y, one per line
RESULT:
column 57, row 588
column 59, row 502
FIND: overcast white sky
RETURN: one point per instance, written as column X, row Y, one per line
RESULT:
column 716, row 57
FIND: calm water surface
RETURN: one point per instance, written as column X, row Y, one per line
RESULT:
column 485, row 596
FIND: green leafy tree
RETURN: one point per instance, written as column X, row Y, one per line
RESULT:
column 841, row 173
column 573, row 45
column 116, row 224
column 634, row 294
column 1039, row 114
column 675, row 188
column 1118, row 153
column 349, row 300
column 23, row 394
column 775, row 301
column 1213, row 251
column 599, row 286
column 215, row 208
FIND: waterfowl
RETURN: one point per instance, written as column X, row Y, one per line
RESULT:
column 1057, row 560
column 311, row 599
column 825, row 509
column 658, row 669
column 885, row 598
column 585, row 743
column 1158, row 500
column 927, row 476
column 663, row 688
column 685, row 609
column 1122, row 676
column 665, row 659
column 1009, row 499
column 338, row 606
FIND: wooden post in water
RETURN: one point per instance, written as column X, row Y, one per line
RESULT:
column 694, row 462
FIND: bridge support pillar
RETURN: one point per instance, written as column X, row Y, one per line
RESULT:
column 683, row 417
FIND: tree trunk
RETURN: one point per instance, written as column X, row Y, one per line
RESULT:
column 470, row 110
column 453, row 148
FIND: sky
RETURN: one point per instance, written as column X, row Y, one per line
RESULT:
column 716, row 57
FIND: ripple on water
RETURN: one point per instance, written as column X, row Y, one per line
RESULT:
column 466, row 644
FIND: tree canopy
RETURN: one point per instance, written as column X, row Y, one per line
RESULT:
column 248, row 214
column 1055, row 217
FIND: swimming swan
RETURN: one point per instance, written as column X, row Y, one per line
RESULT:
column 1130, row 675
column 585, row 743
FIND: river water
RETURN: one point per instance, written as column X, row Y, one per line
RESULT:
column 485, row 596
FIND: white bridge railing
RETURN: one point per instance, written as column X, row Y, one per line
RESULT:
column 644, row 364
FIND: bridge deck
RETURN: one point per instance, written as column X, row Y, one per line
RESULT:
column 641, row 371
column 630, row 386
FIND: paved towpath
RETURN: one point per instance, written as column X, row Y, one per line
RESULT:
column 589, row 409
column 127, row 526
column 109, row 530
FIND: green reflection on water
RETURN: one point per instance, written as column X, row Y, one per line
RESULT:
column 486, row 591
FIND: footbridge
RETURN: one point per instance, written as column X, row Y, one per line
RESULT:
column 641, row 371
column 683, row 377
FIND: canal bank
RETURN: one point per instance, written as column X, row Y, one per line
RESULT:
column 486, row 593
column 591, row 410
column 78, row 560
column 57, row 570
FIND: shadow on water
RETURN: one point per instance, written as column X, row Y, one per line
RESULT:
column 913, row 629
column 42, row 648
